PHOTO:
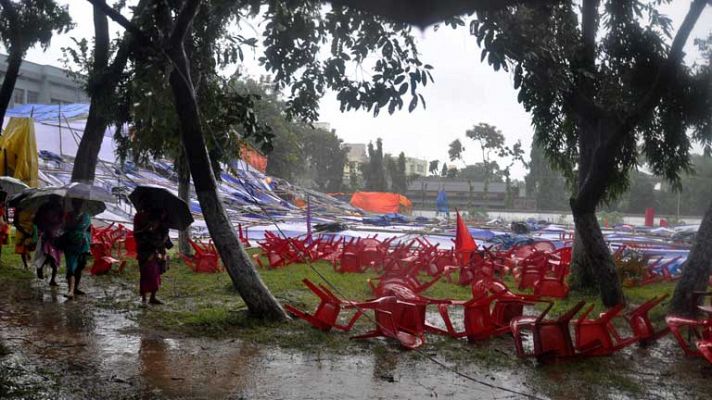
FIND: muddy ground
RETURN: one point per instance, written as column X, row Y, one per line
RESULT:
column 97, row 347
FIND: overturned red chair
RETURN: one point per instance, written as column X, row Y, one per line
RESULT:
column 326, row 314
column 400, row 315
column 640, row 323
column 552, row 338
column 699, row 331
column 488, row 312
column 599, row 335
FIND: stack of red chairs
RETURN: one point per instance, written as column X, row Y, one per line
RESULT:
column 205, row 257
column 281, row 252
column 104, row 241
column 361, row 254
column 489, row 311
column 400, row 314
column 403, row 272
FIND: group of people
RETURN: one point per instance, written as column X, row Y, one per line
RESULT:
column 43, row 235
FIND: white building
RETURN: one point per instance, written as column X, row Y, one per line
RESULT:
column 416, row 166
column 43, row 84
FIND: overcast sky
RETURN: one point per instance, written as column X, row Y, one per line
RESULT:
column 465, row 92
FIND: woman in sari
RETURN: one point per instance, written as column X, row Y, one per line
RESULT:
column 25, row 234
column 77, row 238
column 4, row 226
column 48, row 220
column 151, row 234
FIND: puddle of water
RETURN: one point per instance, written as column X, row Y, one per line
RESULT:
column 96, row 352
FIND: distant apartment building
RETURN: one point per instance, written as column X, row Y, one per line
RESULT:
column 415, row 166
column 43, row 84
column 463, row 194
column 355, row 159
column 322, row 125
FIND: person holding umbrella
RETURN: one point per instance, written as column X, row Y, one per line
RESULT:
column 48, row 221
column 151, row 234
column 9, row 186
column 4, row 226
column 25, row 233
column 75, row 243
column 151, row 225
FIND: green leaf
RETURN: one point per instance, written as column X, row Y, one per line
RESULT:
column 413, row 104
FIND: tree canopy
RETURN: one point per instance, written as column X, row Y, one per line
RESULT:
column 23, row 24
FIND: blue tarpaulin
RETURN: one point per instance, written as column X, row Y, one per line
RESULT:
column 43, row 112
column 441, row 202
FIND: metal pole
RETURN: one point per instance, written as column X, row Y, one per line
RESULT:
column 59, row 123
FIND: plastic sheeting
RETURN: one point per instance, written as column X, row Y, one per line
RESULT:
column 43, row 112
column 253, row 157
column 441, row 203
column 18, row 151
column 382, row 203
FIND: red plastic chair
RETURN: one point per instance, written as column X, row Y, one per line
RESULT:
column 552, row 285
column 204, row 259
column 478, row 321
column 348, row 262
column 699, row 331
column 130, row 245
column 599, row 335
column 400, row 315
column 327, row 312
column 640, row 323
column 103, row 261
column 552, row 338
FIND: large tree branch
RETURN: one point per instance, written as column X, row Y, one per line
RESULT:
column 117, row 17
column 664, row 76
column 183, row 22
column 427, row 12
column 101, row 38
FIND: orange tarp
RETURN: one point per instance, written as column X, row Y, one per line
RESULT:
column 380, row 202
column 253, row 157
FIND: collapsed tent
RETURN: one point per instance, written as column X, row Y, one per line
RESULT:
column 253, row 157
column 18, row 151
column 381, row 202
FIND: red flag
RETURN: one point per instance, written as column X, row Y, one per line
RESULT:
column 464, row 243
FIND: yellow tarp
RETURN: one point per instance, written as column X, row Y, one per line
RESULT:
column 18, row 151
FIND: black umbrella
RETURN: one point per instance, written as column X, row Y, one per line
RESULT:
column 178, row 216
column 93, row 197
column 12, row 185
column 14, row 200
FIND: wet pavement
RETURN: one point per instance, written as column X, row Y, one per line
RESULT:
column 81, row 349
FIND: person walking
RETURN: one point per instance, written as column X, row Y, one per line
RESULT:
column 48, row 221
column 25, row 234
column 4, row 226
column 75, row 243
column 152, row 240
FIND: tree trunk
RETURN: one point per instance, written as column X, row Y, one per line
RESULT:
column 599, row 255
column 184, row 193
column 582, row 277
column 87, row 156
column 105, row 78
column 14, row 60
column 696, row 272
column 247, row 282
